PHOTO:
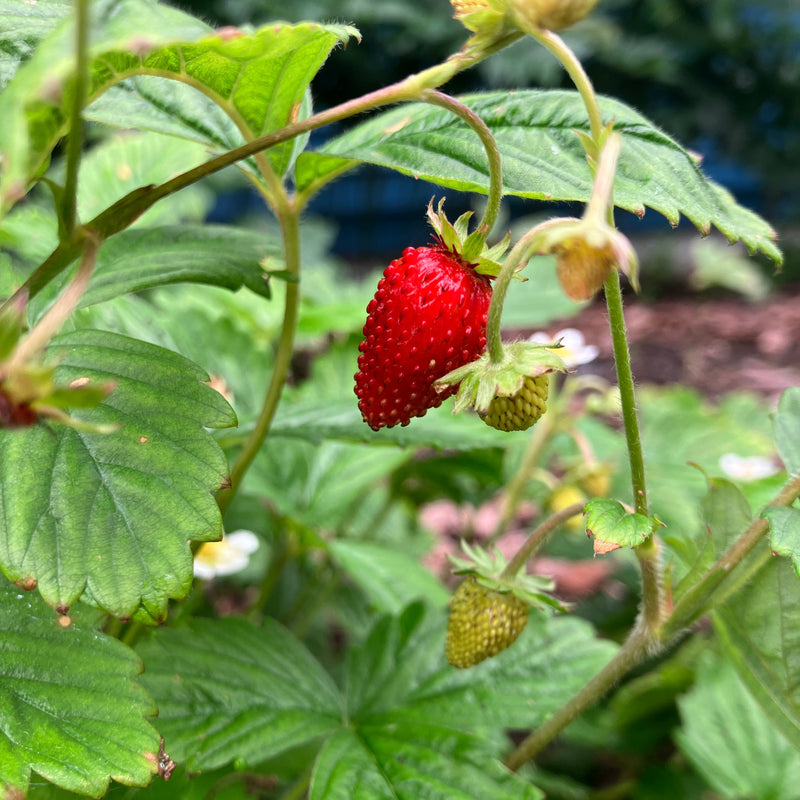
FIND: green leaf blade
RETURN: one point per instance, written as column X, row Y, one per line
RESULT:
column 71, row 709
column 422, row 763
column 228, row 690
column 758, row 630
column 613, row 527
column 210, row 254
column 543, row 159
column 259, row 79
column 730, row 741
column 113, row 513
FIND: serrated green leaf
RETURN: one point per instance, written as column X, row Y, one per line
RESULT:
column 784, row 532
column 543, row 159
column 613, row 527
column 390, row 578
column 400, row 674
column 318, row 486
column 213, row 254
column 259, row 78
column 227, row 689
column 113, row 513
column 419, row 762
column 70, row 706
column 726, row 513
column 786, row 424
column 758, row 628
column 730, row 741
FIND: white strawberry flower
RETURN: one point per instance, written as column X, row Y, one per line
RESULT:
column 747, row 468
column 229, row 555
column 574, row 351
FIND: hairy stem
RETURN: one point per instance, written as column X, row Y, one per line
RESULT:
column 639, row 643
column 558, row 47
column 74, row 146
column 516, row 259
column 538, row 537
column 489, row 144
column 697, row 600
column 648, row 552
column 290, row 232
column 47, row 327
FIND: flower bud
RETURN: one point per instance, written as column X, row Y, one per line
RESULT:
column 553, row 15
column 582, row 269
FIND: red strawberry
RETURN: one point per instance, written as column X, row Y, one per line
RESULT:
column 428, row 317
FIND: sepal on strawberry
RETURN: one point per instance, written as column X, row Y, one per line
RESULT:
column 484, row 380
column 471, row 247
column 489, row 609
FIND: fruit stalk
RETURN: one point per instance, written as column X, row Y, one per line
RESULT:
column 495, row 194
column 289, row 219
column 538, row 536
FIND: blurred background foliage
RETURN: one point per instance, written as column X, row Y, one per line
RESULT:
column 721, row 76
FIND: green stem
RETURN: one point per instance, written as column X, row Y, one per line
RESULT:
column 495, row 194
column 644, row 641
column 696, row 600
column 40, row 335
column 512, row 497
column 640, row 642
column 290, row 232
column 559, row 48
column 648, row 552
column 538, row 537
column 74, row 146
column 121, row 214
column 519, row 255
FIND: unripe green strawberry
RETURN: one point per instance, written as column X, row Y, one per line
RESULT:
column 483, row 622
column 521, row 410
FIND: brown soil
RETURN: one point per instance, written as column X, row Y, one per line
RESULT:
column 716, row 346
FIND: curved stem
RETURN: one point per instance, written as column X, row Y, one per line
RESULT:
column 519, row 255
column 636, row 647
column 538, row 537
column 290, row 231
column 558, row 47
column 695, row 602
column 121, row 214
column 47, row 327
column 74, row 146
column 495, row 193
column 644, row 640
column 513, row 493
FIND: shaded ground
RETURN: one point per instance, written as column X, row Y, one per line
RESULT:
column 716, row 346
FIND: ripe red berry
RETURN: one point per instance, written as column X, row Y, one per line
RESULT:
column 428, row 317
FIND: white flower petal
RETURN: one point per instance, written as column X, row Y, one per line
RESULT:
column 226, row 557
column 747, row 468
column 244, row 541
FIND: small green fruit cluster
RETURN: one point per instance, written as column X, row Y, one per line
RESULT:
column 521, row 410
column 483, row 622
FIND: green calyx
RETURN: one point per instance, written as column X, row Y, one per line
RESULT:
column 490, row 570
column 483, row 380
column 471, row 247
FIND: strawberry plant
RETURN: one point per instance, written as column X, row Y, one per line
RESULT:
column 214, row 551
